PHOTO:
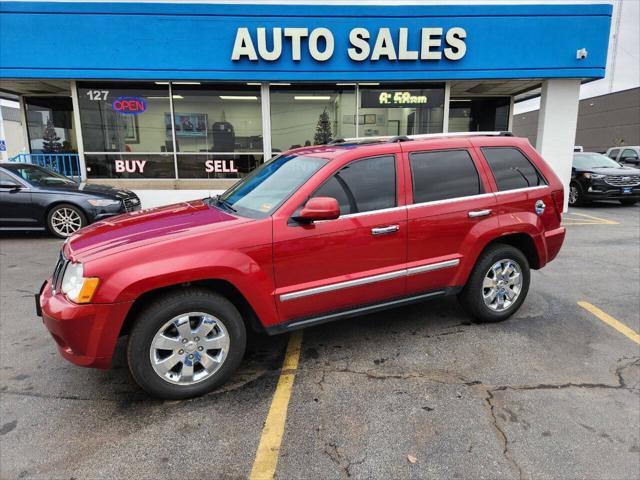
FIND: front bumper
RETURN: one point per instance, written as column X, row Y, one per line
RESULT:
column 86, row 334
column 599, row 190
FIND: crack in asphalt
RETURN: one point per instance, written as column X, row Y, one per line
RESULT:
column 489, row 397
column 502, row 435
column 332, row 451
column 506, row 453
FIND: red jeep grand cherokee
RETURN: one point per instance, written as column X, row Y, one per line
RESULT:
column 314, row 235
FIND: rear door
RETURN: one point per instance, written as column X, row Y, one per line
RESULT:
column 354, row 260
column 524, row 196
column 450, row 206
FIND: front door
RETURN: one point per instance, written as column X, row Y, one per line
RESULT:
column 16, row 208
column 354, row 260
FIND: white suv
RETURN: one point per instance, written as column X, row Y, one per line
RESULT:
column 625, row 154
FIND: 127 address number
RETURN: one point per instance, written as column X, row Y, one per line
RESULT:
column 98, row 95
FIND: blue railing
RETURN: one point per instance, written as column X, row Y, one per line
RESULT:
column 67, row 164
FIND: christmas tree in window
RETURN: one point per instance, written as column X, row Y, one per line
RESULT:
column 323, row 133
column 50, row 139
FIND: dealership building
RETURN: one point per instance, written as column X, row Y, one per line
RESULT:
column 178, row 100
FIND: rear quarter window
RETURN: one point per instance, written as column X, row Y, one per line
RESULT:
column 511, row 168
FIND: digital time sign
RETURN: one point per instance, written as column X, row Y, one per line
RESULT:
column 402, row 98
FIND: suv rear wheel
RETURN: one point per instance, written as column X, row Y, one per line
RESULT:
column 497, row 285
column 186, row 344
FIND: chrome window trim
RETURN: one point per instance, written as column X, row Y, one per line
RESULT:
column 450, row 200
column 371, row 212
column 370, row 279
column 524, row 189
column 473, row 197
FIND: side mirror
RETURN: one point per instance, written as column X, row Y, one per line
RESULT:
column 319, row 208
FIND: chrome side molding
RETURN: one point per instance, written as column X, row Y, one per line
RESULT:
column 370, row 279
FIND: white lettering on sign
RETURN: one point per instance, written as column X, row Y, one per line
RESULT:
column 457, row 46
column 130, row 166
column 219, row 166
column 434, row 43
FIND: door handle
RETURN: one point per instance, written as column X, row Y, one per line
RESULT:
column 385, row 230
column 479, row 213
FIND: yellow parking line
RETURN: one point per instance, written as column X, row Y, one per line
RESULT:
column 612, row 322
column 594, row 220
column 264, row 465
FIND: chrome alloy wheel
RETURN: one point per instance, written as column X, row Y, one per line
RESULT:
column 573, row 195
column 65, row 221
column 189, row 348
column 502, row 285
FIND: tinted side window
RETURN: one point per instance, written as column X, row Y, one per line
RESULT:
column 6, row 178
column 442, row 175
column 614, row 153
column 628, row 153
column 363, row 185
column 511, row 168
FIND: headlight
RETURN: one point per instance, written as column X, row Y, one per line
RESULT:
column 103, row 202
column 77, row 288
column 593, row 175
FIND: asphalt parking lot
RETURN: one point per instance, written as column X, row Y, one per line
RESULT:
column 418, row 392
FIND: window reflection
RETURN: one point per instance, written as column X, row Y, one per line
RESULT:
column 311, row 115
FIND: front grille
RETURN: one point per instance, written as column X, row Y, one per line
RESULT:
column 622, row 180
column 58, row 272
column 131, row 203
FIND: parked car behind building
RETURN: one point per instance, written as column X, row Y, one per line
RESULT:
column 625, row 154
column 36, row 198
column 596, row 177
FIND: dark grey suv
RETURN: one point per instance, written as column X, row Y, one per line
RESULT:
column 36, row 198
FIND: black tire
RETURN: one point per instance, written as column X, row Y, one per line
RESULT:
column 471, row 296
column 628, row 201
column 171, row 305
column 65, row 209
column 578, row 199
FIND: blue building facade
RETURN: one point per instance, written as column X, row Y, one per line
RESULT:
column 208, row 91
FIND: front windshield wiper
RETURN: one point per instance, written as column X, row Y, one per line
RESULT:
column 224, row 203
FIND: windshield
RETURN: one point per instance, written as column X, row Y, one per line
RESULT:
column 37, row 175
column 266, row 188
column 593, row 160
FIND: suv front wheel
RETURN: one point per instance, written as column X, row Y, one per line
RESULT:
column 497, row 285
column 186, row 344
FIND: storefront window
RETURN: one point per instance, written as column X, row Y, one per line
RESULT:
column 218, row 129
column 50, row 124
column 393, row 109
column 127, row 118
column 479, row 114
column 311, row 114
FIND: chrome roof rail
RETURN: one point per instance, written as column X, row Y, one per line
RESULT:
column 423, row 136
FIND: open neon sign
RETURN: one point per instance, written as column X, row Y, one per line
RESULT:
column 129, row 105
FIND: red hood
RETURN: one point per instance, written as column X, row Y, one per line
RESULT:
column 147, row 226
